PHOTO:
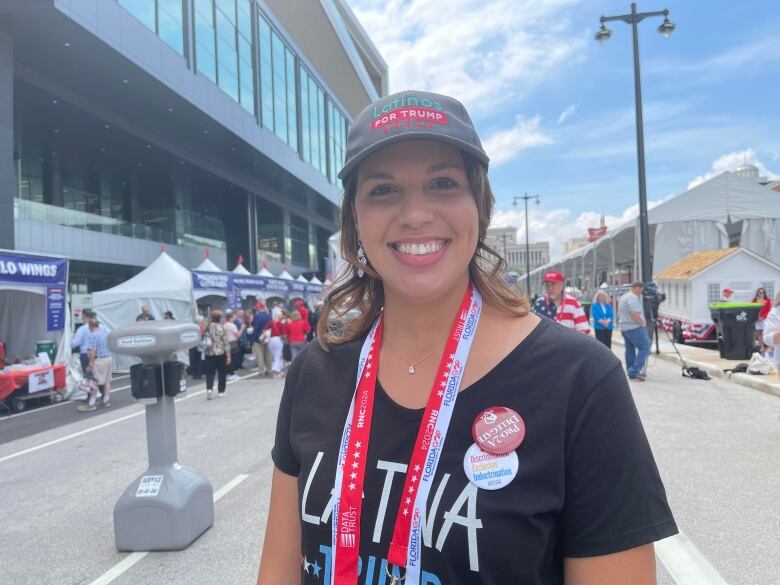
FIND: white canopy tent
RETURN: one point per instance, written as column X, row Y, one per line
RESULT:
column 208, row 266
column 164, row 285
column 727, row 210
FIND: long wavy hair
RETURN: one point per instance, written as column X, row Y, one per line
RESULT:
column 351, row 293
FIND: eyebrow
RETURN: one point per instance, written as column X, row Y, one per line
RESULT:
column 381, row 176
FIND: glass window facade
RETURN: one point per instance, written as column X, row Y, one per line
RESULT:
column 277, row 84
column 299, row 239
column 270, row 231
column 227, row 47
column 164, row 17
column 337, row 140
column 313, row 122
column 246, row 74
column 205, row 39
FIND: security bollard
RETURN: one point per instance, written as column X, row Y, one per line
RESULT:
column 169, row 505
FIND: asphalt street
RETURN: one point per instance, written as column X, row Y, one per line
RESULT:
column 717, row 446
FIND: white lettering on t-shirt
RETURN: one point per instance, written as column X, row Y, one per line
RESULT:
column 470, row 521
column 467, row 497
column 392, row 469
column 311, row 519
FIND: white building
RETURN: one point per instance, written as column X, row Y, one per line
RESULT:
column 697, row 280
column 504, row 241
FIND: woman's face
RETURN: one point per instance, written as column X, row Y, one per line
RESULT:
column 417, row 218
column 761, row 293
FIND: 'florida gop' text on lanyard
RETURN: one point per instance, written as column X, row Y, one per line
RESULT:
column 406, row 545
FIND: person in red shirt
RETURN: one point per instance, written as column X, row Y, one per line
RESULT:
column 761, row 297
column 297, row 329
column 278, row 334
column 302, row 309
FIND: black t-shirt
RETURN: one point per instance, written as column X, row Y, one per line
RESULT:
column 586, row 485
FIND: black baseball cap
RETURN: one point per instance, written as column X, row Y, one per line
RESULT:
column 410, row 115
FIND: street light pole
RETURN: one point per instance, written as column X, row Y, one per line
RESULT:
column 525, row 198
column 602, row 36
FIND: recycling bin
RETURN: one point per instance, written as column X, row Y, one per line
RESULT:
column 736, row 328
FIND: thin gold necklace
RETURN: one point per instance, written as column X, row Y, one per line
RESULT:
column 411, row 365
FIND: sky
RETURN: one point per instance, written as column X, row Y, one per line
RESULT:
column 555, row 110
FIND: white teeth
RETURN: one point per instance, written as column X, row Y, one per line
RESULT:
column 420, row 249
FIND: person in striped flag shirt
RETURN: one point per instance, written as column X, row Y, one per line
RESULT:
column 559, row 306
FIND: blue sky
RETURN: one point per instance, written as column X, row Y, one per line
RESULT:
column 555, row 110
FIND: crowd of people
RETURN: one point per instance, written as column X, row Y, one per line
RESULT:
column 272, row 335
column 565, row 308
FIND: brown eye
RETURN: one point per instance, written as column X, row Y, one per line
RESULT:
column 444, row 183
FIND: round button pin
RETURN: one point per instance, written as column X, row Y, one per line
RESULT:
column 498, row 430
column 488, row 471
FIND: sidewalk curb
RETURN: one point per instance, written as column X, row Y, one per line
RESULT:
column 748, row 380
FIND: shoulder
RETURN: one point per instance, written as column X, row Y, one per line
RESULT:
column 562, row 353
column 316, row 361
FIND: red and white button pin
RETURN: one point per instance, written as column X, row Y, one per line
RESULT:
column 498, row 430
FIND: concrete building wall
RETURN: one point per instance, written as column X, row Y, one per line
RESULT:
column 7, row 159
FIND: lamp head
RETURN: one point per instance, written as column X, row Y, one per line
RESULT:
column 667, row 28
column 602, row 35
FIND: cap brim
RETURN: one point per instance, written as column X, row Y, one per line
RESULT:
column 369, row 150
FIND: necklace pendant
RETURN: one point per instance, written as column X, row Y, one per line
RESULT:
column 411, row 369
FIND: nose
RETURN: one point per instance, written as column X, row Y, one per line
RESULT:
column 416, row 211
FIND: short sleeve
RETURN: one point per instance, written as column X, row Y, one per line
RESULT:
column 615, row 499
column 282, row 453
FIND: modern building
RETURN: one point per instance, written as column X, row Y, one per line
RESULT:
column 504, row 241
column 197, row 125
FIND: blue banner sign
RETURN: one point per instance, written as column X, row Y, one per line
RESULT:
column 55, row 308
column 251, row 283
column 25, row 269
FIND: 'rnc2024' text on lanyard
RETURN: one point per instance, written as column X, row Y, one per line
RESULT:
column 405, row 547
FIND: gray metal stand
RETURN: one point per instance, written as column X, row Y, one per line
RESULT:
column 169, row 505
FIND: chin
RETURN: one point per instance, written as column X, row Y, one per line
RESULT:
column 424, row 288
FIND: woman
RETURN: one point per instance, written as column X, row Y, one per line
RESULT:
column 603, row 318
column 277, row 331
column 448, row 350
column 771, row 332
column 297, row 330
column 217, row 355
column 762, row 315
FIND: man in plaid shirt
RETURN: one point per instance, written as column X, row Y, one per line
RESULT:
column 559, row 306
column 99, row 368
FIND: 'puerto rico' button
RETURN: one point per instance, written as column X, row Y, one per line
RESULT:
column 498, row 430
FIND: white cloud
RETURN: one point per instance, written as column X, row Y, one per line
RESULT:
column 565, row 114
column 504, row 145
column 559, row 225
column 484, row 53
column 730, row 162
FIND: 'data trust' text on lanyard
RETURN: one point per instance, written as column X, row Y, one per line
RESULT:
column 405, row 547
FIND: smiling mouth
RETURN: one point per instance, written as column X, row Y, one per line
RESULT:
column 419, row 248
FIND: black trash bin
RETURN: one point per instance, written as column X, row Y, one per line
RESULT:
column 736, row 326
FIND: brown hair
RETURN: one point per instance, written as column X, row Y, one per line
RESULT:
column 366, row 294
column 216, row 316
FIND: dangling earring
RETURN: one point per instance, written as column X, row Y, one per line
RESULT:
column 361, row 256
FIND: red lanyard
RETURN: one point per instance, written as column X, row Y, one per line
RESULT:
column 347, row 512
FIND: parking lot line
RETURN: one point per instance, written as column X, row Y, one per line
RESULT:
column 133, row 558
column 101, row 426
column 685, row 563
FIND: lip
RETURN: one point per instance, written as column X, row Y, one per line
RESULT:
column 419, row 260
